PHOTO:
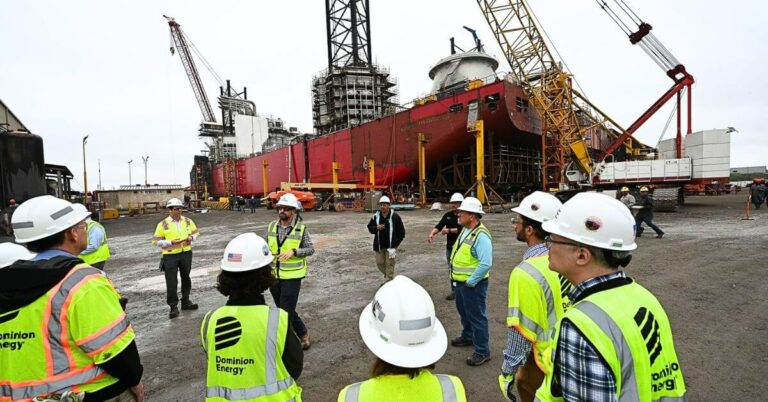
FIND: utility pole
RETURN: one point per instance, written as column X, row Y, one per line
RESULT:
column 129, row 171
column 85, row 175
column 99, row 174
column 145, row 159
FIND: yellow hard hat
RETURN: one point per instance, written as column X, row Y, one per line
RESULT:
column 625, row 188
column 643, row 189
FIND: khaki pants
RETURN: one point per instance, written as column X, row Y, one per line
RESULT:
column 386, row 265
column 529, row 379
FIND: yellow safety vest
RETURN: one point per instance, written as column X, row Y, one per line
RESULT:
column 463, row 263
column 630, row 331
column 244, row 345
column 424, row 387
column 56, row 343
column 538, row 297
column 166, row 230
column 294, row 267
column 102, row 252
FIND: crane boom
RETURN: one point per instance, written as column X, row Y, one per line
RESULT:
column 180, row 42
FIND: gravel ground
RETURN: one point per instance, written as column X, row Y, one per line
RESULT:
column 702, row 271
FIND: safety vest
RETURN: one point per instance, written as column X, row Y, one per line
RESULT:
column 424, row 387
column 55, row 343
column 538, row 297
column 166, row 230
column 630, row 331
column 101, row 253
column 463, row 263
column 245, row 347
column 294, row 267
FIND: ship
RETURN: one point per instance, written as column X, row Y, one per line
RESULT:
column 461, row 82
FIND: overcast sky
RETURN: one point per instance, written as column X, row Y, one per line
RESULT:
column 103, row 68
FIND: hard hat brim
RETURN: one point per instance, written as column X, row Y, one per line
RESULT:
column 554, row 227
column 519, row 210
column 415, row 356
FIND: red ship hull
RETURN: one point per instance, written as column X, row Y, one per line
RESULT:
column 392, row 142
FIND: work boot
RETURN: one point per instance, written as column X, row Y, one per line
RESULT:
column 660, row 235
column 305, row 341
column 450, row 297
column 174, row 312
column 188, row 305
column 477, row 359
column 459, row 342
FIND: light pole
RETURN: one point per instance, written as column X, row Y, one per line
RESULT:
column 129, row 171
column 85, row 175
column 145, row 159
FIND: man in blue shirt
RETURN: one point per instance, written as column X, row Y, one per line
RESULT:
column 471, row 259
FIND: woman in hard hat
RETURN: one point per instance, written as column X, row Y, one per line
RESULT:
column 252, row 349
column 400, row 328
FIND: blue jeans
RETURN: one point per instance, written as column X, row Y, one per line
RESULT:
column 648, row 220
column 470, row 301
column 448, row 258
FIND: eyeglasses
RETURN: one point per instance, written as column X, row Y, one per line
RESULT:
column 548, row 240
column 281, row 208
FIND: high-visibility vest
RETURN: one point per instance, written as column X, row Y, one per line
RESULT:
column 244, row 345
column 424, row 387
column 630, row 331
column 55, row 343
column 166, row 230
column 538, row 297
column 294, row 267
column 463, row 264
column 102, row 252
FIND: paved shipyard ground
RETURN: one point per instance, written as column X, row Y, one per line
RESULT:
column 708, row 272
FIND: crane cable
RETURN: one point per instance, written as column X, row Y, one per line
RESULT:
column 669, row 119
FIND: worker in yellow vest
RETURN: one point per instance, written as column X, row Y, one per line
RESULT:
column 65, row 335
column 174, row 235
column 471, row 261
column 253, row 353
column 96, row 253
column 537, row 300
column 290, row 244
column 400, row 328
column 615, row 342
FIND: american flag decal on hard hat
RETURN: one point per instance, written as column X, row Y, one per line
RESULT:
column 232, row 257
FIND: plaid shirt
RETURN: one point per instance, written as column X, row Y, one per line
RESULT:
column 306, row 248
column 579, row 370
column 518, row 348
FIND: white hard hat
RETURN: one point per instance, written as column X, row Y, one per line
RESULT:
column 246, row 252
column 457, row 197
column 174, row 202
column 46, row 215
column 400, row 327
column 288, row 200
column 11, row 252
column 472, row 204
column 384, row 200
column 596, row 220
column 539, row 206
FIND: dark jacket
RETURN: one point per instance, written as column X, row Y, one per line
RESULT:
column 646, row 202
column 381, row 237
column 25, row 281
column 451, row 221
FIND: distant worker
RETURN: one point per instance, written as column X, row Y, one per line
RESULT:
column 252, row 351
column 253, row 203
column 756, row 191
column 290, row 245
column 174, row 235
column 615, row 342
column 471, row 261
column 449, row 226
column 537, row 300
column 645, row 214
column 388, row 232
column 96, row 253
column 626, row 197
column 400, row 328
column 66, row 336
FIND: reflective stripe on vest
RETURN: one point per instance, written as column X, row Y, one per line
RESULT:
column 272, row 386
column 294, row 267
column 551, row 315
column 48, row 386
column 463, row 264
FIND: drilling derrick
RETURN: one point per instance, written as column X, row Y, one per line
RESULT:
column 352, row 90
